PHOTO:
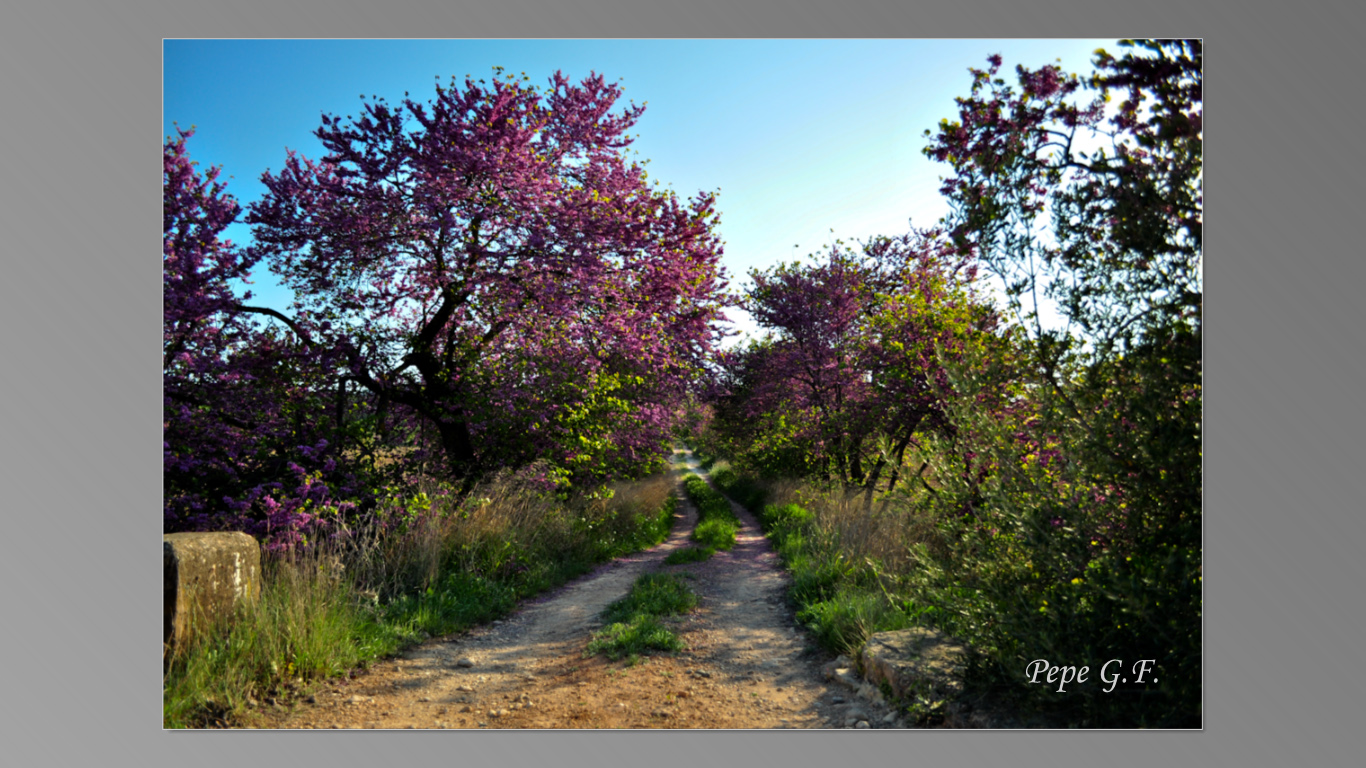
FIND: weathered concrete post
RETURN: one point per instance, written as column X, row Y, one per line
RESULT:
column 206, row 575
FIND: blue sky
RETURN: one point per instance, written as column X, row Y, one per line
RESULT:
column 807, row 140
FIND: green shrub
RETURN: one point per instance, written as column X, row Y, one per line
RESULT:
column 1083, row 555
column 745, row 489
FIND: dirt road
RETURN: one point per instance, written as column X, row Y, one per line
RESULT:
column 747, row 663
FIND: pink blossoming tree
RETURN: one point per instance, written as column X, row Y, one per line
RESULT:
column 492, row 263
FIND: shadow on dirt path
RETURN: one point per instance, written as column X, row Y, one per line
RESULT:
column 747, row 663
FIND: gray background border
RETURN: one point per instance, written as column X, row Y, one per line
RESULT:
column 79, row 415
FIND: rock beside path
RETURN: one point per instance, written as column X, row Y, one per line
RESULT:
column 914, row 661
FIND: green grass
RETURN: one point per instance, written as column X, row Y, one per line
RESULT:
column 843, row 622
column 717, row 523
column 632, row 639
column 655, row 594
column 836, row 595
column 633, row 622
column 451, row 573
column 306, row 625
column 689, row 555
column 715, row 534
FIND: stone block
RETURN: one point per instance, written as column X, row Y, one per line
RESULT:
column 205, row 576
column 914, row 660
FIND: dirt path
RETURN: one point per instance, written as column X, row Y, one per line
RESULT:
column 747, row 663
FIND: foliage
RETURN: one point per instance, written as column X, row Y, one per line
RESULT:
column 1124, row 193
column 1081, row 539
column 848, row 381
column 250, row 436
column 844, row 622
column 744, row 489
column 491, row 262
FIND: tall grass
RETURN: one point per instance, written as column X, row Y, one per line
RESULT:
column 913, row 558
column 435, row 567
column 307, row 624
column 847, row 559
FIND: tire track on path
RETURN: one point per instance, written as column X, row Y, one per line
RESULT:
column 747, row 665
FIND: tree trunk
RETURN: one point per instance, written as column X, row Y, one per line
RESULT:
column 458, row 447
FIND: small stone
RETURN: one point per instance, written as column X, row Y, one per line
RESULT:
column 862, row 724
column 425, row 698
column 466, row 688
column 465, row 662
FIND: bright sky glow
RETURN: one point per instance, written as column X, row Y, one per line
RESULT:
column 807, row 140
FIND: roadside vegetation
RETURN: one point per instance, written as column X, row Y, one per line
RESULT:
column 465, row 405
column 934, row 455
column 461, row 406
column 441, row 567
